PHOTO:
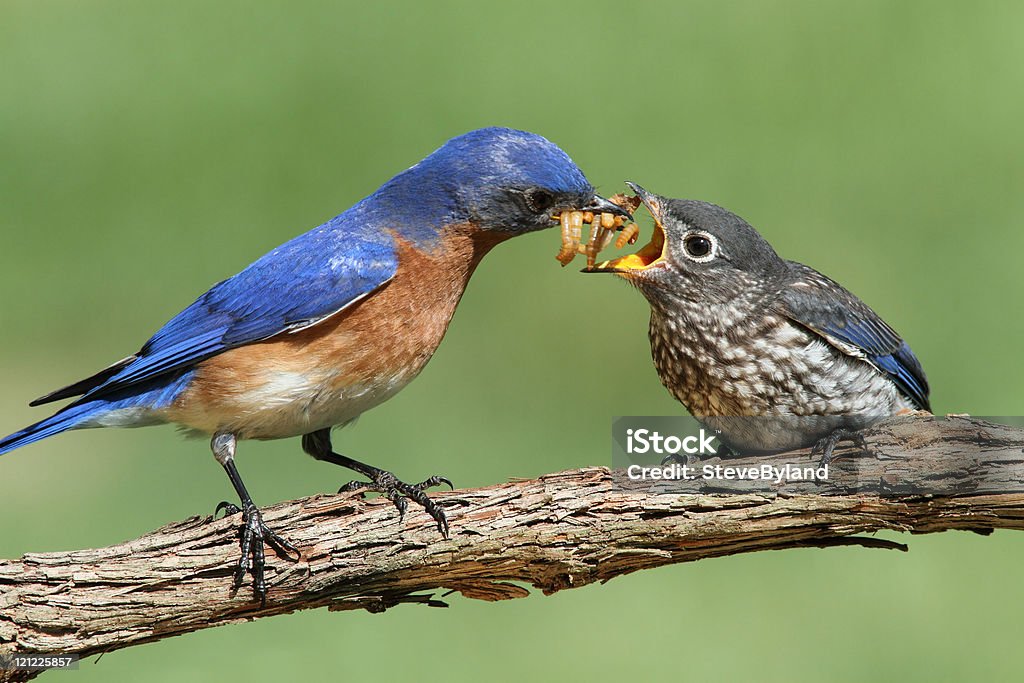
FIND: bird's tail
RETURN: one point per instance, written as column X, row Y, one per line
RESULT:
column 72, row 417
column 138, row 406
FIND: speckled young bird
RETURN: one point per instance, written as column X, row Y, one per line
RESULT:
column 333, row 322
column 770, row 352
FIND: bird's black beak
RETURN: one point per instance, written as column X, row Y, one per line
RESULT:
column 649, row 200
column 601, row 205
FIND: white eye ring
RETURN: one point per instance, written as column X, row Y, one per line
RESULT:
column 700, row 246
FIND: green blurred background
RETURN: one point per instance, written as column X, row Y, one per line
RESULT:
column 148, row 150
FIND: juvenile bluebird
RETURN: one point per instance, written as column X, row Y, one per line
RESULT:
column 333, row 322
column 769, row 351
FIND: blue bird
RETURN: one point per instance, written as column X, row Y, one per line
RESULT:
column 333, row 322
column 769, row 352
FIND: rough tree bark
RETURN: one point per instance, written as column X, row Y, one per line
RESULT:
column 560, row 531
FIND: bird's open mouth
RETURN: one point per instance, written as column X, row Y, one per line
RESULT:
column 649, row 255
column 603, row 225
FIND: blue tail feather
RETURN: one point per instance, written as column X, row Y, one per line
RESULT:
column 90, row 413
column 66, row 419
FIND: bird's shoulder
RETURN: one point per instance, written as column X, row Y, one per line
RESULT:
column 816, row 300
column 826, row 308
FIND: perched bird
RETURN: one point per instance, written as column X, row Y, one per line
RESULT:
column 333, row 322
column 770, row 352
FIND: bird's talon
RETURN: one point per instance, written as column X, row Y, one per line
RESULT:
column 228, row 509
column 439, row 516
column 678, row 459
column 826, row 446
column 253, row 534
column 282, row 547
column 432, row 482
column 355, row 486
column 402, row 503
column 398, row 492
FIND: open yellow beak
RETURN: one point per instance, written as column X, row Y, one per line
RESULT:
column 648, row 255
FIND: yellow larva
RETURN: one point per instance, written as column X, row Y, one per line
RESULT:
column 602, row 231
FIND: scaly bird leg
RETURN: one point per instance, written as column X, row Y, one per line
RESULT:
column 253, row 532
column 318, row 444
column 827, row 445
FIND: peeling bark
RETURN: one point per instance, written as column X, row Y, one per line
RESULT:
column 560, row 531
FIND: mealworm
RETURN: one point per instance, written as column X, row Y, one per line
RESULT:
column 602, row 231
column 627, row 236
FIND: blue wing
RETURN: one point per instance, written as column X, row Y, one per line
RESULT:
column 826, row 308
column 297, row 285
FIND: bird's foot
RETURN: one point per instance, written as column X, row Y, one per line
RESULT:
column 252, row 535
column 400, row 493
column 827, row 445
column 684, row 459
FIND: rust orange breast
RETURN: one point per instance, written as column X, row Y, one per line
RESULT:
column 331, row 372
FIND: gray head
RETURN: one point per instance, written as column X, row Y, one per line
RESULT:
column 698, row 252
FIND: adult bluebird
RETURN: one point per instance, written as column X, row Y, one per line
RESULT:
column 770, row 352
column 333, row 322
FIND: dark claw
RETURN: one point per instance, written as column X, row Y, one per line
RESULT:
column 252, row 535
column 400, row 493
column 402, row 503
column 228, row 508
column 679, row 459
column 419, row 496
column 432, row 482
column 827, row 445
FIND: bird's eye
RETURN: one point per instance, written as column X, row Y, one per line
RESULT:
column 699, row 246
column 539, row 200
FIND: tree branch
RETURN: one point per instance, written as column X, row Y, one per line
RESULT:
column 561, row 531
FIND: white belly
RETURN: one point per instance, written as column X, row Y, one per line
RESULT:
column 290, row 404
